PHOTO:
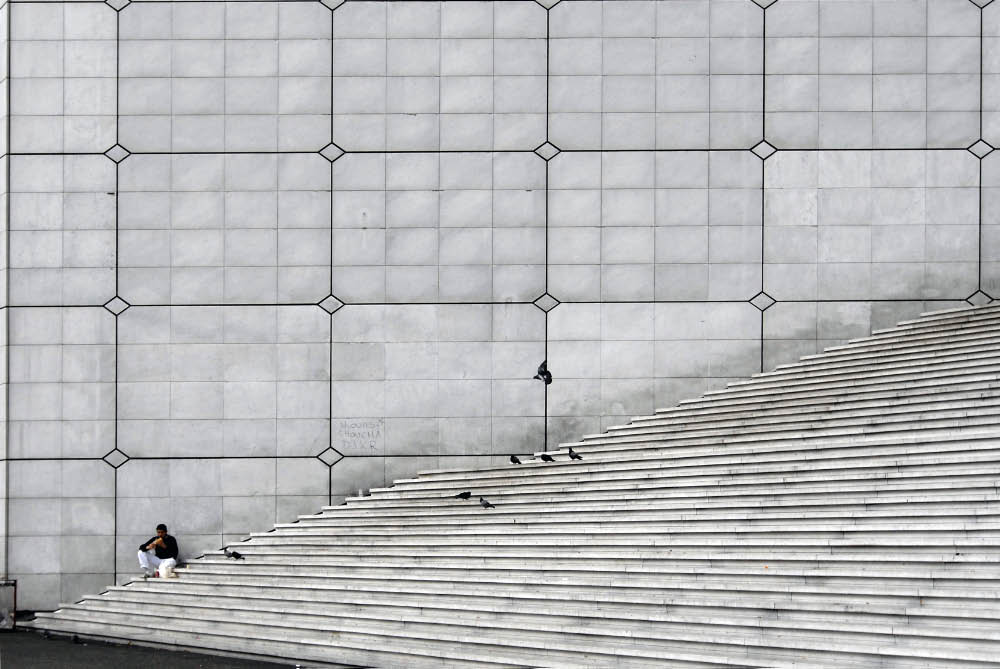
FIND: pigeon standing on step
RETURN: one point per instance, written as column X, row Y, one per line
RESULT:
column 546, row 457
column 573, row 455
column 233, row 554
column 464, row 495
column 514, row 460
column 543, row 374
column 483, row 502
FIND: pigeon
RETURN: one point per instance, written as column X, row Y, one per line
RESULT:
column 573, row 455
column 464, row 495
column 514, row 460
column 485, row 503
column 234, row 555
column 546, row 457
column 543, row 374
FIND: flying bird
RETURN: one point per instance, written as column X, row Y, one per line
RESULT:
column 483, row 502
column 233, row 554
column 573, row 455
column 543, row 374
column 514, row 460
column 464, row 495
column 546, row 457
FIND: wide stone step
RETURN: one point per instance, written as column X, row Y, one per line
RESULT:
column 807, row 596
column 833, row 417
column 892, row 484
column 579, row 642
column 789, row 398
column 313, row 646
column 926, row 430
column 642, row 463
column 455, row 641
column 862, row 400
column 567, row 596
column 940, row 622
column 768, row 414
column 734, row 452
column 987, row 574
column 622, row 605
column 703, row 469
column 746, row 483
column 929, row 346
column 617, row 620
column 602, row 507
column 644, row 519
column 592, row 584
column 864, row 377
column 681, row 558
column 856, row 383
column 474, row 516
column 958, row 354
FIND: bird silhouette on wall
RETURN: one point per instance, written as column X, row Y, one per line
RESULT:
column 483, row 502
column 464, row 495
column 233, row 555
column 573, row 455
column 546, row 457
column 543, row 374
column 514, row 460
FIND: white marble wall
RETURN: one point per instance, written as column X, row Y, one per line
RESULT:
column 264, row 254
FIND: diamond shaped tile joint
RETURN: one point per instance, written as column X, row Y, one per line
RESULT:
column 330, row 304
column 981, row 149
column 764, row 4
column 116, row 305
column 332, row 4
column 978, row 299
column 331, row 152
column 547, row 151
column 762, row 301
column 117, row 153
column 330, row 456
column 546, row 302
column 980, row 3
column 763, row 149
column 115, row 458
column 118, row 5
column 548, row 4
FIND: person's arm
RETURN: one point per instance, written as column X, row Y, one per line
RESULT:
column 146, row 545
column 171, row 546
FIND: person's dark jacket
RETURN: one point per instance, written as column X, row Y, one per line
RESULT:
column 170, row 551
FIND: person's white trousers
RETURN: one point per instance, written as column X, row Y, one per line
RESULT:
column 148, row 561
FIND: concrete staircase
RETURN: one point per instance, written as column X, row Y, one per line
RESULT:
column 842, row 511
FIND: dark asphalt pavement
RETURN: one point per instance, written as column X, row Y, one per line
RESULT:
column 29, row 650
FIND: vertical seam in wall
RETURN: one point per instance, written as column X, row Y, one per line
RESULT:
column 6, row 271
column 979, row 184
column 548, row 128
column 114, row 544
column 333, row 21
column 548, row 62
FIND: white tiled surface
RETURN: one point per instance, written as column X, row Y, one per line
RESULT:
column 222, row 227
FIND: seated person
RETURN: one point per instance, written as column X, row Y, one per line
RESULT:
column 164, row 557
